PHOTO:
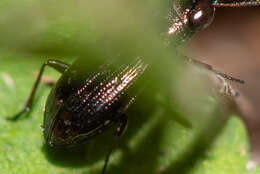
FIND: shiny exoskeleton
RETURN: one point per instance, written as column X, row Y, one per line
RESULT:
column 82, row 105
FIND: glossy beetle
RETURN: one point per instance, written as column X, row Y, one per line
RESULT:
column 81, row 106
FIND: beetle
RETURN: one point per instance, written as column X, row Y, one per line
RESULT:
column 80, row 106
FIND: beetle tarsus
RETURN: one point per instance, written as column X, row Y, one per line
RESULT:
column 19, row 114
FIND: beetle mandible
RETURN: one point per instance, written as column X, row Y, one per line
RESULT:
column 81, row 106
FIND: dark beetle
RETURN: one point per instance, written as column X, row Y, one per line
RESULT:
column 82, row 105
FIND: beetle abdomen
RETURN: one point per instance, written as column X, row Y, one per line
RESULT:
column 94, row 106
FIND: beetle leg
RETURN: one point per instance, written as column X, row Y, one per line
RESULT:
column 226, row 88
column 120, row 129
column 57, row 65
column 210, row 68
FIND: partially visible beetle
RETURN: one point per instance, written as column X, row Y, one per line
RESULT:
column 81, row 106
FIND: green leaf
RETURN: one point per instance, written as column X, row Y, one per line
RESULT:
column 159, row 138
column 154, row 143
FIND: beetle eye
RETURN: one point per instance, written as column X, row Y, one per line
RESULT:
column 201, row 15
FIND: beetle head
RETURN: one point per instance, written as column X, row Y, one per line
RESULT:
column 189, row 18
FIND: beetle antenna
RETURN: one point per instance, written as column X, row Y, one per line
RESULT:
column 250, row 3
column 210, row 68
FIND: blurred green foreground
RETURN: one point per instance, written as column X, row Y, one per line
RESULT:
column 162, row 137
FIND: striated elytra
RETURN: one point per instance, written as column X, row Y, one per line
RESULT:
column 82, row 105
